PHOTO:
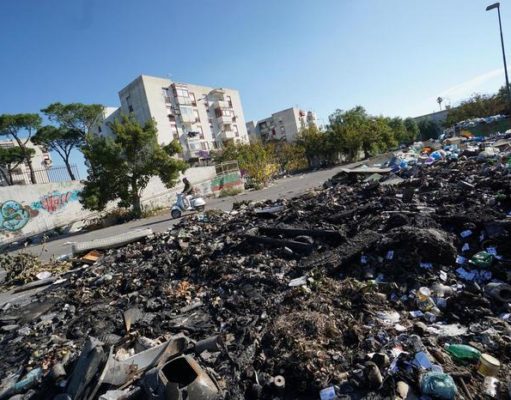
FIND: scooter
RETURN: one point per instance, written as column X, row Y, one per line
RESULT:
column 179, row 207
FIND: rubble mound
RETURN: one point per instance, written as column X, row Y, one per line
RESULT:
column 357, row 290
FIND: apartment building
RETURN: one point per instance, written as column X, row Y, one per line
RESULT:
column 201, row 118
column 281, row 126
column 41, row 163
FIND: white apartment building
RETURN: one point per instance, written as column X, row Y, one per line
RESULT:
column 41, row 162
column 281, row 126
column 201, row 118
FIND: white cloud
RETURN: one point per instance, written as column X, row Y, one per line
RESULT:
column 479, row 83
column 486, row 82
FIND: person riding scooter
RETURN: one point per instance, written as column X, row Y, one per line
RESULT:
column 188, row 190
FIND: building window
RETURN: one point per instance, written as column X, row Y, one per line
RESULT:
column 228, row 113
column 99, row 129
column 236, row 131
column 182, row 92
column 215, row 146
column 194, row 146
column 196, row 113
column 173, row 130
column 204, row 145
column 201, row 132
column 128, row 103
column 166, row 94
column 229, row 101
column 192, row 99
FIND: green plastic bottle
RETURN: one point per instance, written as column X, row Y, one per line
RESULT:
column 463, row 352
column 482, row 259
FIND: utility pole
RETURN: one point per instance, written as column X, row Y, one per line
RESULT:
column 508, row 89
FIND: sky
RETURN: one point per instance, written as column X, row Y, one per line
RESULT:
column 393, row 57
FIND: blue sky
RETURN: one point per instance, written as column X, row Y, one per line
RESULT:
column 393, row 57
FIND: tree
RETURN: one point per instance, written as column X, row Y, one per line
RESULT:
column 10, row 159
column 21, row 127
column 412, row 130
column 76, row 117
column 255, row 159
column 289, row 156
column 314, row 143
column 121, row 166
column 382, row 134
column 61, row 140
column 348, row 132
column 399, row 129
column 429, row 129
column 439, row 100
column 479, row 106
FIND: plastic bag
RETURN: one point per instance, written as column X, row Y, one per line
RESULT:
column 440, row 385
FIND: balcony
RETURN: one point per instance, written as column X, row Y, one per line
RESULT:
column 227, row 135
column 194, row 137
column 184, row 101
column 224, row 120
column 187, row 115
column 222, row 104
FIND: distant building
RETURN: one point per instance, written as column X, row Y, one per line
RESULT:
column 281, row 126
column 41, row 162
column 438, row 116
column 200, row 117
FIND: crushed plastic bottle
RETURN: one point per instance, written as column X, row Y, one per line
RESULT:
column 483, row 259
column 438, row 385
column 425, row 302
column 463, row 352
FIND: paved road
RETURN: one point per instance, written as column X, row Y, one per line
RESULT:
column 282, row 188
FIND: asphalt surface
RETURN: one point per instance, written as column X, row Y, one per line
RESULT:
column 283, row 188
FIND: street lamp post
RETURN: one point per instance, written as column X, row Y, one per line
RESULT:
column 497, row 6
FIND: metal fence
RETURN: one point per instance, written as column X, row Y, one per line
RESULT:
column 46, row 175
column 226, row 167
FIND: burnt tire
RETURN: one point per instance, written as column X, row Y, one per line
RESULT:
column 175, row 214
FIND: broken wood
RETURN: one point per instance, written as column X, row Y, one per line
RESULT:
column 293, row 232
column 272, row 242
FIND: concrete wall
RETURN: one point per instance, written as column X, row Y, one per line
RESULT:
column 26, row 210
column 31, row 210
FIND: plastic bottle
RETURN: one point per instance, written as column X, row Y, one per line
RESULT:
column 425, row 302
column 483, row 259
column 463, row 352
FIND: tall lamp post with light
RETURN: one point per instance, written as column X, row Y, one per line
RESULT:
column 497, row 6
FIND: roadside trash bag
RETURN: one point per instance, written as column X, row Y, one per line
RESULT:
column 439, row 385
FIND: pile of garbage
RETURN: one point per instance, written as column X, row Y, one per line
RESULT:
column 24, row 268
column 357, row 290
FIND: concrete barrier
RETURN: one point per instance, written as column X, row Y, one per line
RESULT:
column 31, row 210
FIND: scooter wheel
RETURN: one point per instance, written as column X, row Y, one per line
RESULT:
column 200, row 208
column 175, row 214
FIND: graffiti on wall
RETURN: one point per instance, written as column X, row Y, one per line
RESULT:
column 226, row 181
column 55, row 201
column 14, row 216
